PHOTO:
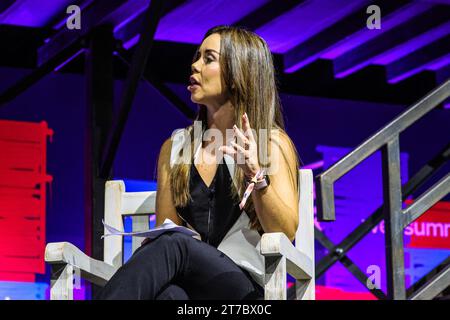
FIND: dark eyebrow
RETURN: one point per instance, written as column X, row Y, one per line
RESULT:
column 212, row 50
column 197, row 53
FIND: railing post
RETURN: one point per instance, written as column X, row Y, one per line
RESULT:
column 393, row 215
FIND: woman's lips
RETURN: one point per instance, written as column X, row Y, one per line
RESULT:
column 193, row 83
column 193, row 87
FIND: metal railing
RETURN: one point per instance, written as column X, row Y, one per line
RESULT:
column 396, row 219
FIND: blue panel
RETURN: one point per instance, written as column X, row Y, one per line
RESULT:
column 127, row 245
column 139, row 185
column 135, row 186
column 418, row 262
column 11, row 290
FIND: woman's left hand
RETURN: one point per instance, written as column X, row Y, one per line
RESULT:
column 245, row 152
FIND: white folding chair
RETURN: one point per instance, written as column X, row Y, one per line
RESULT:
column 281, row 256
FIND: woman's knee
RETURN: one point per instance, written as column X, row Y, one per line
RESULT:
column 166, row 242
column 176, row 239
column 172, row 292
column 167, row 237
column 180, row 236
column 172, row 235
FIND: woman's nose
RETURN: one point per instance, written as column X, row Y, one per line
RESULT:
column 194, row 68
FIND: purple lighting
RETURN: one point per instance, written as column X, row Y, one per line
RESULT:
column 439, row 63
column 302, row 63
column 412, row 45
column 68, row 60
column 132, row 42
column 189, row 22
column 304, row 21
column 129, row 12
column 32, row 13
column 442, row 60
column 367, row 52
column 314, row 165
column 353, row 69
column 389, row 22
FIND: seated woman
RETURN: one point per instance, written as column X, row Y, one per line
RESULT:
column 222, row 190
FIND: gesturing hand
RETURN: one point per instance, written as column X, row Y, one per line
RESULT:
column 245, row 152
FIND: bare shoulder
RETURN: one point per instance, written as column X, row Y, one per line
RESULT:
column 166, row 148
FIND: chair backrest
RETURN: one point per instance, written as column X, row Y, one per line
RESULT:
column 118, row 205
column 139, row 205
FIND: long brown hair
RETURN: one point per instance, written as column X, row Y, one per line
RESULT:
column 248, row 75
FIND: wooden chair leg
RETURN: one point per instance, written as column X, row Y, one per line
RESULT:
column 275, row 281
column 62, row 280
column 304, row 289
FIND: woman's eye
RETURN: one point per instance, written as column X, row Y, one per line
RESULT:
column 208, row 59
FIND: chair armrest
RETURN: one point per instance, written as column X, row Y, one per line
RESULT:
column 298, row 265
column 95, row 271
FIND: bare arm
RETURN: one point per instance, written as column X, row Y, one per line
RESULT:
column 164, row 201
column 277, row 205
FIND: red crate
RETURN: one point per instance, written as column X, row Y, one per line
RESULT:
column 23, row 180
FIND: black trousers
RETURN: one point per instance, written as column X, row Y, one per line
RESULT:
column 176, row 266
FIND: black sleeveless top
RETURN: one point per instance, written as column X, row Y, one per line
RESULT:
column 212, row 210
